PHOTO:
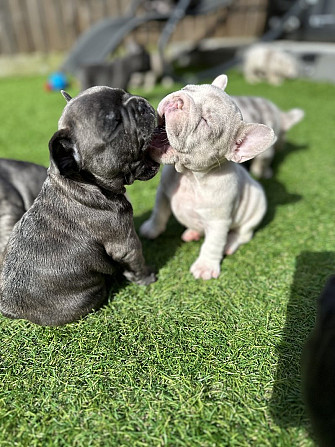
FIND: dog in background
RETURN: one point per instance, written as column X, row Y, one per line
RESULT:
column 60, row 255
column 260, row 110
column 117, row 73
column 202, row 136
column 20, row 183
column 264, row 62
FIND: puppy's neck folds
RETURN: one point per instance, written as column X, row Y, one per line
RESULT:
column 200, row 176
column 77, row 187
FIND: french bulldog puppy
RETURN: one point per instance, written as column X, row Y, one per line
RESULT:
column 319, row 369
column 60, row 255
column 202, row 136
column 20, row 182
column 265, row 62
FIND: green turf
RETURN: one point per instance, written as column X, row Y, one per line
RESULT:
column 181, row 362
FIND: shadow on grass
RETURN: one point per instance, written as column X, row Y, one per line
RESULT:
column 157, row 252
column 276, row 192
column 286, row 404
column 285, row 152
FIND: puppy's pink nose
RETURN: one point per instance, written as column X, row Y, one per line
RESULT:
column 175, row 103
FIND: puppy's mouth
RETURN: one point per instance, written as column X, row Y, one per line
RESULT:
column 160, row 148
column 159, row 138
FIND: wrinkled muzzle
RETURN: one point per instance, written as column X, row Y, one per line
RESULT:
column 139, row 119
column 172, row 115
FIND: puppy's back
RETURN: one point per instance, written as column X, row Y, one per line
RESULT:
column 20, row 183
column 25, row 177
column 256, row 109
column 53, row 269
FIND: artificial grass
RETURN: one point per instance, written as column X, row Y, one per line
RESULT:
column 181, row 362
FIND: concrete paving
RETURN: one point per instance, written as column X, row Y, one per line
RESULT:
column 317, row 58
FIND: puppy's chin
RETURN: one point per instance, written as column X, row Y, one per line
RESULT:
column 148, row 171
column 144, row 170
column 148, row 174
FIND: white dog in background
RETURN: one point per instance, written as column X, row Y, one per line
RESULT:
column 264, row 62
column 202, row 136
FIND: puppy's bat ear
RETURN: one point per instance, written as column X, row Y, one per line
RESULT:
column 221, row 81
column 66, row 95
column 251, row 140
column 63, row 153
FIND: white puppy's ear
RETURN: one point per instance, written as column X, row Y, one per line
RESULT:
column 251, row 140
column 221, row 81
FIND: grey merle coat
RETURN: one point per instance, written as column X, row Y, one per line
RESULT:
column 59, row 258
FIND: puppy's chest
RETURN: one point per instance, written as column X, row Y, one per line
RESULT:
column 186, row 201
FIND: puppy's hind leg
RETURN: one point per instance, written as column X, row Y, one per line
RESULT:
column 237, row 238
column 245, row 231
column 261, row 165
column 241, row 235
column 157, row 222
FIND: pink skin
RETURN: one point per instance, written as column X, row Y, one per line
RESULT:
column 190, row 235
column 160, row 149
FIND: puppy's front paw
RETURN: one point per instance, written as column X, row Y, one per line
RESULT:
column 205, row 269
column 145, row 279
column 150, row 230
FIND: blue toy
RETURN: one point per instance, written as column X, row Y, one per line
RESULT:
column 56, row 81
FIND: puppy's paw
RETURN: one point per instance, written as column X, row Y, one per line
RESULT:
column 145, row 279
column 150, row 230
column 190, row 235
column 205, row 269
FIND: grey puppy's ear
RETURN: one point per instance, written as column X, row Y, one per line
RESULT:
column 66, row 95
column 63, row 153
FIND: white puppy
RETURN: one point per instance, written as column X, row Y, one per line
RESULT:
column 264, row 62
column 202, row 135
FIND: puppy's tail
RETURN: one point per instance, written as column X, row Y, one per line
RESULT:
column 290, row 118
